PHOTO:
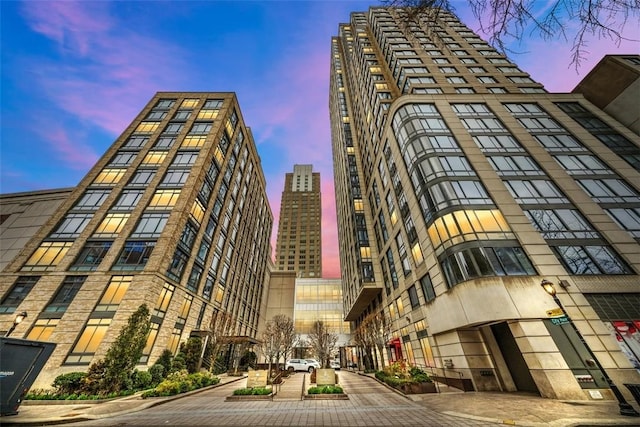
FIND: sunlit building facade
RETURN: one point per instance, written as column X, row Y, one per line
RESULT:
column 174, row 215
column 461, row 185
column 299, row 241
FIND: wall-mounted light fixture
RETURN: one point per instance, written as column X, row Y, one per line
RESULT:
column 19, row 318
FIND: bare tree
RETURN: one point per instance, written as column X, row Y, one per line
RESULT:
column 221, row 329
column 504, row 20
column 269, row 345
column 287, row 336
column 377, row 331
column 322, row 342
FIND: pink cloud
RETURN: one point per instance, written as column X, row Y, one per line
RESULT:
column 68, row 149
column 109, row 71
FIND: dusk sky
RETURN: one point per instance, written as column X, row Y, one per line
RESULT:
column 75, row 74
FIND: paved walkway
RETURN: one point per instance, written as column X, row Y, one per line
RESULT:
column 292, row 388
column 369, row 404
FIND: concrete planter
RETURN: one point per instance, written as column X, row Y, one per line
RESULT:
column 326, row 396
column 249, row 397
column 417, row 388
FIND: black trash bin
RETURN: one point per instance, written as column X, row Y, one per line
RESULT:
column 635, row 391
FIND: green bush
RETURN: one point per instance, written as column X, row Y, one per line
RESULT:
column 254, row 391
column 141, row 380
column 69, row 383
column 326, row 389
column 165, row 360
column 157, row 372
column 182, row 382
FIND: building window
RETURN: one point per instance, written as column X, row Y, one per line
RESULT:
column 66, row 293
column 487, row 79
column 561, row 224
column 154, row 158
column 164, row 199
column 183, row 314
column 173, row 127
column 147, row 127
column 162, row 304
column 90, row 338
column 128, row 200
column 71, row 226
column 627, row 218
column 109, row 177
column 584, row 260
column 47, row 256
column 475, row 262
column 427, row 288
column 111, row 225
column 122, row 159
column 194, row 278
column 113, row 295
column 92, row 200
column 191, row 141
column 185, row 158
column 582, row 164
column 136, row 141
column 497, row 143
column 18, row 293
column 151, row 225
column 538, row 191
column 392, row 269
column 42, row 329
column 178, row 263
column 134, row 255
column 164, row 142
column 610, row 190
column 91, row 255
column 201, row 128
column 142, row 177
column 175, row 178
column 413, row 297
column 456, row 80
column 515, row 165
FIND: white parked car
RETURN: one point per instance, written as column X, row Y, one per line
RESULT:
column 335, row 364
column 307, row 365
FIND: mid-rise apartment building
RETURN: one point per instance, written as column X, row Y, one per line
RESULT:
column 174, row 215
column 299, row 241
column 462, row 185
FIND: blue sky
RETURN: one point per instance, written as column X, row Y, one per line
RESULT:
column 74, row 75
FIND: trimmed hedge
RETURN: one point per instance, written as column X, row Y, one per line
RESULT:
column 252, row 391
column 326, row 389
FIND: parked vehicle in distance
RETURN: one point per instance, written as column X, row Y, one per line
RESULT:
column 335, row 364
column 307, row 365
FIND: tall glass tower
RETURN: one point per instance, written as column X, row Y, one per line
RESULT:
column 462, row 184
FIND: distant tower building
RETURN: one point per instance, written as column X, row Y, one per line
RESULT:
column 174, row 215
column 462, row 185
column 299, row 245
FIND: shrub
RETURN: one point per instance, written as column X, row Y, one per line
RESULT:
column 141, row 379
column 165, row 361
column 157, row 372
column 181, row 382
column 326, row 389
column 69, row 383
column 178, row 363
column 254, row 391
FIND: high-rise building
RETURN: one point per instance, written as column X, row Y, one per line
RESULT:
column 299, row 243
column 613, row 85
column 174, row 215
column 461, row 187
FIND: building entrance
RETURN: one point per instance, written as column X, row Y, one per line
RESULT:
column 513, row 358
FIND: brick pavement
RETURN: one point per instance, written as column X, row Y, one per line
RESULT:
column 370, row 404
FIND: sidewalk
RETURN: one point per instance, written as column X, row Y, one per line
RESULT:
column 292, row 387
column 521, row 409
column 33, row 413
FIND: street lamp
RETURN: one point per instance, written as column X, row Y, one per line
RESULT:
column 19, row 318
column 625, row 408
